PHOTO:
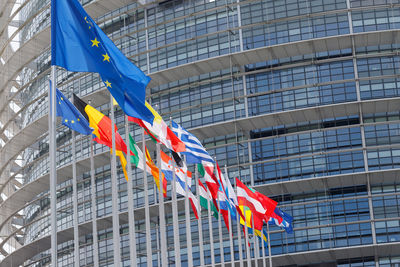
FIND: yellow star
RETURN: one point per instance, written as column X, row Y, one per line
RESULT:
column 95, row 42
column 106, row 57
column 62, row 98
column 72, row 121
column 66, row 120
column 108, row 84
column 79, row 119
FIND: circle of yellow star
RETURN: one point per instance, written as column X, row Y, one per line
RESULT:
column 108, row 84
column 66, row 120
column 106, row 57
column 95, row 42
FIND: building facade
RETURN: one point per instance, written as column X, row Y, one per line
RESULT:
column 298, row 98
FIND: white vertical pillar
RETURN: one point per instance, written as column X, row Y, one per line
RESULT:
column 131, row 213
column 187, row 220
column 114, row 192
column 75, row 202
column 52, row 165
column 95, row 245
column 146, row 205
column 164, row 260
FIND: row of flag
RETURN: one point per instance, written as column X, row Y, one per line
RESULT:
column 79, row 45
column 252, row 208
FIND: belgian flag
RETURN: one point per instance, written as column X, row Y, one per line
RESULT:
column 102, row 129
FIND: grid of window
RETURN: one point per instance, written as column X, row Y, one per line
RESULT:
column 378, row 66
column 381, row 88
column 382, row 134
column 383, row 159
column 376, row 20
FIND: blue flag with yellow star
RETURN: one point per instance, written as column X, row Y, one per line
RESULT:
column 71, row 117
column 78, row 44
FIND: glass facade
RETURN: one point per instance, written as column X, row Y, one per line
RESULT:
column 335, row 172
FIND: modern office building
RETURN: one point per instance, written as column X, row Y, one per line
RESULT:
column 298, row 98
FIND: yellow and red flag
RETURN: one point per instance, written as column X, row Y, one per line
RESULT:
column 102, row 130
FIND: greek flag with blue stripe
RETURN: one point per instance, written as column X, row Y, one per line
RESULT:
column 195, row 152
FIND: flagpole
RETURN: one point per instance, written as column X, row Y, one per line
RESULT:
column 114, row 192
column 239, row 231
column 199, row 221
column 246, row 236
column 263, row 249
column 75, row 202
column 175, row 218
column 131, row 213
column 52, row 165
column 230, row 227
column 164, row 260
column 187, row 219
column 255, row 242
column 210, row 229
column 269, row 247
column 94, row 206
column 221, row 242
column 146, row 204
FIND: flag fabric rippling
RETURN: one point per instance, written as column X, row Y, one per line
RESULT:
column 78, row 44
column 195, row 152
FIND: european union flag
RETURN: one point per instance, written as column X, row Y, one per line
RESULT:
column 78, row 44
column 71, row 117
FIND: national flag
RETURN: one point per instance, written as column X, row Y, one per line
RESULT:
column 251, row 218
column 182, row 175
column 71, row 117
column 151, row 168
column 282, row 219
column 250, row 198
column 195, row 152
column 268, row 204
column 101, row 125
column 78, row 44
column 205, row 198
column 206, row 169
column 160, row 131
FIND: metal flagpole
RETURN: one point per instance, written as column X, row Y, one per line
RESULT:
column 175, row 218
column 114, row 192
column 246, row 235
column 221, row 242
column 52, row 159
column 94, row 206
column 164, row 260
column 131, row 213
column 75, row 202
column 239, row 232
column 255, row 241
column 187, row 219
column 146, row 204
column 269, row 247
column 263, row 249
column 231, row 229
column 199, row 221
column 210, row 229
